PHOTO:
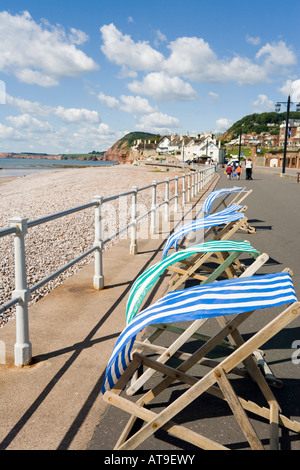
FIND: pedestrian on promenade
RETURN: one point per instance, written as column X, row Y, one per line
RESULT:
column 238, row 171
column 249, row 167
column 229, row 171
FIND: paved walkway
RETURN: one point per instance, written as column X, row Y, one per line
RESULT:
column 56, row 402
column 274, row 212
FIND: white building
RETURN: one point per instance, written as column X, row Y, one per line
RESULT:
column 185, row 148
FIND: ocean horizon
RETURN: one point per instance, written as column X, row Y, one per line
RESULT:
column 24, row 166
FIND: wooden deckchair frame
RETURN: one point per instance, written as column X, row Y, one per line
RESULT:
column 238, row 199
column 217, row 376
column 229, row 267
column 184, row 334
column 225, row 233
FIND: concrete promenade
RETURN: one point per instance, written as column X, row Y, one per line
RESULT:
column 55, row 404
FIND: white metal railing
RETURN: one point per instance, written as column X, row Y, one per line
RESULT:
column 19, row 226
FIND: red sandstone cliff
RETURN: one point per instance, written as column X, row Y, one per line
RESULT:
column 119, row 153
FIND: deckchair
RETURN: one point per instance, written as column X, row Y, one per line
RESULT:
column 230, row 249
column 237, row 297
column 147, row 280
column 239, row 198
column 232, row 218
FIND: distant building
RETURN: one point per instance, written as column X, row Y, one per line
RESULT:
column 293, row 138
column 186, row 148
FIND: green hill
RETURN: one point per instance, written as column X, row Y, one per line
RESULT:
column 129, row 139
column 258, row 123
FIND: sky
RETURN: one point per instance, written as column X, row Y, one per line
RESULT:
column 76, row 76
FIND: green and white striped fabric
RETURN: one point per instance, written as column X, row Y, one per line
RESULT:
column 149, row 277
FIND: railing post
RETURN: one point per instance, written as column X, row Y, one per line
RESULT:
column 23, row 347
column 183, row 190
column 189, row 187
column 167, row 208
column 98, row 281
column 193, row 184
column 153, row 209
column 133, row 243
column 176, row 194
column 199, row 181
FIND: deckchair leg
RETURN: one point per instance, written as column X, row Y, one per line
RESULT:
column 274, row 427
column 237, row 410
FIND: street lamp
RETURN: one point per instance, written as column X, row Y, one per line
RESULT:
column 277, row 109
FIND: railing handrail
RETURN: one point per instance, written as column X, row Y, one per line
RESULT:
column 19, row 226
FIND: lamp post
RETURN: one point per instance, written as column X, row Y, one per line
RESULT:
column 277, row 109
column 240, row 144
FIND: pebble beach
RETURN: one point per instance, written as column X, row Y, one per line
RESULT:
column 52, row 245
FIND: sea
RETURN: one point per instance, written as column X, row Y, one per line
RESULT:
column 20, row 167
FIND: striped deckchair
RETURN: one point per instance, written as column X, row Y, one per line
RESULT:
column 150, row 276
column 237, row 297
column 212, row 197
column 228, row 217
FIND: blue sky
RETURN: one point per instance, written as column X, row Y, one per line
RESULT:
column 78, row 75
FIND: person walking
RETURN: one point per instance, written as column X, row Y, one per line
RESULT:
column 249, row 167
column 229, row 171
column 239, row 172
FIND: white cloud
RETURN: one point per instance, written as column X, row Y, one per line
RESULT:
column 277, row 56
column 292, row 88
column 158, row 122
column 223, row 124
column 162, row 87
column 122, row 50
column 264, row 103
column 26, row 106
column 75, row 114
column 254, row 41
column 159, row 38
column 77, row 37
column 40, row 53
column 242, row 70
column 7, row 132
column 109, row 101
column 214, row 96
column 190, row 57
column 128, row 104
column 193, row 59
column 69, row 115
column 136, row 105
column 25, row 121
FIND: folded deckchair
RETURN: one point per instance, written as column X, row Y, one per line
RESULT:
column 237, row 297
column 147, row 280
column 231, row 217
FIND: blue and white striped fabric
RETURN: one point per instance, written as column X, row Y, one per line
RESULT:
column 215, row 194
column 225, row 216
column 149, row 277
column 233, row 296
